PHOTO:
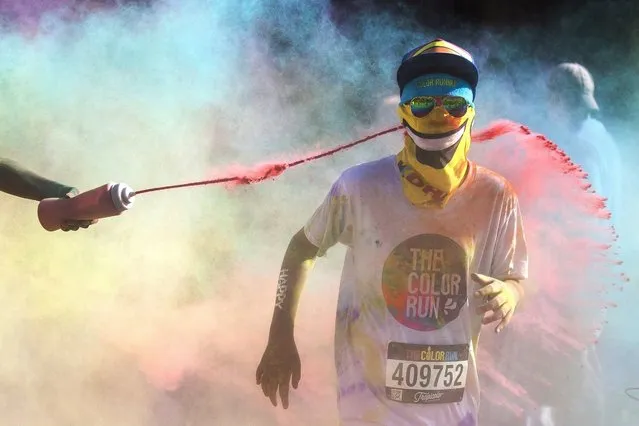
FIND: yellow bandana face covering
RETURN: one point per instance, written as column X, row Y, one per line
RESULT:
column 432, row 183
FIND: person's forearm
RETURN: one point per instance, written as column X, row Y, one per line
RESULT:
column 18, row 181
column 297, row 264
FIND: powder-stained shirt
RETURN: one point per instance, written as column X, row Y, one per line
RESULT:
column 406, row 325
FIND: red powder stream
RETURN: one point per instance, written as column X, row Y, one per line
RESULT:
column 262, row 172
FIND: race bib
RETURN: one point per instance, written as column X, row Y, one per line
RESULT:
column 426, row 374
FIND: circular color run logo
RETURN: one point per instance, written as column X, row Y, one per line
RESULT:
column 424, row 282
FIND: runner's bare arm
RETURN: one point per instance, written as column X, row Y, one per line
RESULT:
column 280, row 366
column 298, row 262
column 23, row 183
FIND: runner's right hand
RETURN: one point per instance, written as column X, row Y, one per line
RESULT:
column 280, row 366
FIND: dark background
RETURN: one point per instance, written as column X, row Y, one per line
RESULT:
column 562, row 26
column 601, row 35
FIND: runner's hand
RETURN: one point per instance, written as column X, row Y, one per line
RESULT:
column 500, row 300
column 280, row 366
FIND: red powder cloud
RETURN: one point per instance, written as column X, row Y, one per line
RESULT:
column 571, row 267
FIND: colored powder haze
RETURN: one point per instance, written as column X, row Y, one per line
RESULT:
column 159, row 317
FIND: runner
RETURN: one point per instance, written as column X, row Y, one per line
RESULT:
column 435, row 250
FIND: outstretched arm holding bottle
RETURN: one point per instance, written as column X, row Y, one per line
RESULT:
column 23, row 183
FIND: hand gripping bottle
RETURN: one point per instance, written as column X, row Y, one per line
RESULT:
column 105, row 201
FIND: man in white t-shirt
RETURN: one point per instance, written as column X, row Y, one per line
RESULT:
column 435, row 249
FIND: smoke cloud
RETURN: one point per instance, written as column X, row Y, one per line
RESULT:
column 160, row 316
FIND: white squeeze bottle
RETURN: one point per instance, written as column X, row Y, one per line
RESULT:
column 105, row 201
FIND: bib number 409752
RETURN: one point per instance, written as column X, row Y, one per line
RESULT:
column 426, row 374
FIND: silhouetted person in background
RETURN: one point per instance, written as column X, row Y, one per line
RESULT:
column 573, row 112
column 573, row 126
column 586, row 140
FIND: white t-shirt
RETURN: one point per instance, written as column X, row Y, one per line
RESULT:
column 405, row 321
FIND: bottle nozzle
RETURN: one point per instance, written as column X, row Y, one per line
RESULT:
column 122, row 196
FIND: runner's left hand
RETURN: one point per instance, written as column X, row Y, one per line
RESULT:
column 500, row 300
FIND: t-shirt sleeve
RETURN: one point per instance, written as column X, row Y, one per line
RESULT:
column 510, row 260
column 332, row 221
